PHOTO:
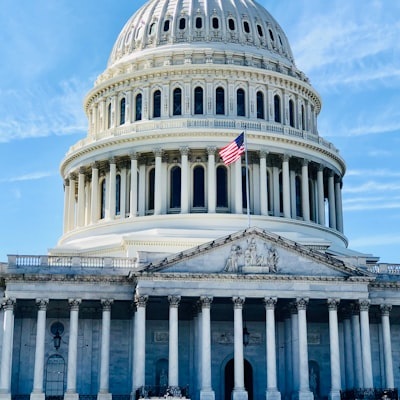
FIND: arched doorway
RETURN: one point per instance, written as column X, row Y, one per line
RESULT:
column 229, row 379
column 55, row 375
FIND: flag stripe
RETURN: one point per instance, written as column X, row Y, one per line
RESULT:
column 232, row 151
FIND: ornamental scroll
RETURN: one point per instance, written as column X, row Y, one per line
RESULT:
column 249, row 260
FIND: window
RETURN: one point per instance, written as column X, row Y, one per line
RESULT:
column 157, row 104
column 222, row 187
column 109, row 116
column 198, row 100
column 166, row 25
column 103, row 195
column 177, row 104
column 150, row 197
column 122, row 106
column 291, row 113
column 299, row 211
column 138, row 107
column 220, row 101
column 152, row 29
column 303, row 122
column 277, row 108
column 215, row 23
column 260, row 105
column 240, row 103
column 198, row 187
column 118, row 195
column 280, row 193
column 199, row 23
column 182, row 24
column 175, row 184
column 260, row 30
column 246, row 27
column 231, row 24
column 271, row 35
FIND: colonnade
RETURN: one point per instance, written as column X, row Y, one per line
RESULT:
column 357, row 359
column 280, row 186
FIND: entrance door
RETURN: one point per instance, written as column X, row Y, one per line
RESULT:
column 55, row 374
column 229, row 379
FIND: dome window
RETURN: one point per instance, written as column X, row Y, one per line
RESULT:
column 260, row 105
column 199, row 23
column 182, row 24
column 198, row 100
column 277, row 108
column 240, row 103
column 177, row 105
column 271, row 35
column 152, row 29
column 280, row 40
column 175, row 185
column 122, row 109
column 260, row 30
column 215, row 23
column 220, row 101
column 246, row 26
column 291, row 113
column 222, row 187
column 166, row 25
column 198, row 186
column 157, row 104
column 231, row 24
column 138, row 107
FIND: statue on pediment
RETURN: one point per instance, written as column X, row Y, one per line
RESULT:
column 232, row 263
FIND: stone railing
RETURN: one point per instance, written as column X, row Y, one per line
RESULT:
column 383, row 268
column 162, row 392
column 17, row 261
column 369, row 394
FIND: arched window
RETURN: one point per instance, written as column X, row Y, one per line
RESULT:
column 198, row 187
column 118, row 195
column 277, row 108
column 157, row 104
column 291, row 113
column 166, row 25
column 55, row 376
column 150, row 196
column 231, row 24
column 122, row 107
column 244, row 187
column 175, row 185
column 271, row 35
column 222, row 187
column 220, row 101
column 103, row 195
column 303, row 121
column 299, row 209
column 198, row 100
column 241, row 109
column 199, row 23
column 260, row 30
column 152, row 29
column 246, row 26
column 260, row 105
column 109, row 116
column 138, row 107
column 215, row 23
column 182, row 24
column 177, row 106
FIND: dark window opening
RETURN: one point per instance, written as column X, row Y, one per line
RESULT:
column 241, row 111
column 157, row 104
column 246, row 27
column 198, row 187
column 122, row 107
column 198, row 100
column 175, row 197
column 166, row 25
column 222, row 187
column 138, row 108
column 291, row 113
column 152, row 179
column 260, row 105
column 277, row 108
column 199, row 23
column 177, row 106
column 231, row 24
column 182, row 24
column 220, row 101
column 260, row 30
column 215, row 23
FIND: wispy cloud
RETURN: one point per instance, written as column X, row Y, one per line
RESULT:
column 372, row 186
column 387, row 173
column 32, row 176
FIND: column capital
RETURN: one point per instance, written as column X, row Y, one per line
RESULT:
column 270, row 303
column 206, row 301
column 285, row 157
column 66, row 181
column 8, row 303
column 385, row 309
column 354, row 308
column 238, row 302
column 141, row 300
column 333, row 304
column 82, row 170
column 305, row 162
column 364, row 304
column 321, row 167
column 263, row 153
column 72, row 176
column 112, row 160
column 95, row 165
column 42, row 304
column 106, row 304
column 301, row 303
column 134, row 155
column 74, row 304
column 184, row 150
column 211, row 150
column 174, row 301
column 158, row 152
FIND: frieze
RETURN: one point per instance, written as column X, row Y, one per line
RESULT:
column 228, row 338
column 161, row 337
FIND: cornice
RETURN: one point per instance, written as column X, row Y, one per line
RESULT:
column 64, row 278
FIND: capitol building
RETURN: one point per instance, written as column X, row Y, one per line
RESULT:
column 181, row 274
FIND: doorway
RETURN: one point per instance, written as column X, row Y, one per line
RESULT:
column 55, row 376
column 229, row 379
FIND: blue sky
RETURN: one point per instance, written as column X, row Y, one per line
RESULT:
column 52, row 51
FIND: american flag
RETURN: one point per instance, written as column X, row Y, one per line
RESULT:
column 232, row 151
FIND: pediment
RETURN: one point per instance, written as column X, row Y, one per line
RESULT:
column 255, row 251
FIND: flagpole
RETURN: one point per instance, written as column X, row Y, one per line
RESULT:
column 247, row 176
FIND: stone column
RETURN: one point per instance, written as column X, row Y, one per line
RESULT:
column 104, row 393
column 212, row 180
column 293, row 205
column 358, row 367
column 142, row 190
column 71, row 393
column 305, row 195
column 331, row 199
column 158, row 185
column 237, row 165
column 7, row 346
column 239, row 391
column 334, row 350
column 37, row 392
column 295, row 348
column 288, row 358
column 173, row 359
column 66, row 206
column 206, row 392
column 184, row 180
column 133, row 208
column 276, row 193
column 387, row 345
column 122, row 209
column 321, row 195
column 286, row 186
column 95, row 194
column 304, row 385
column 81, row 197
column 112, row 188
column 139, row 362
column 366, row 344
column 272, row 392
column 339, row 205
column 348, row 348
column 263, row 183
column 71, row 206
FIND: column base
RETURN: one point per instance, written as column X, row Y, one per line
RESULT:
column 37, row 396
column 239, row 394
column 71, row 396
column 303, row 395
column 207, row 395
column 273, row 394
column 104, row 396
column 334, row 395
